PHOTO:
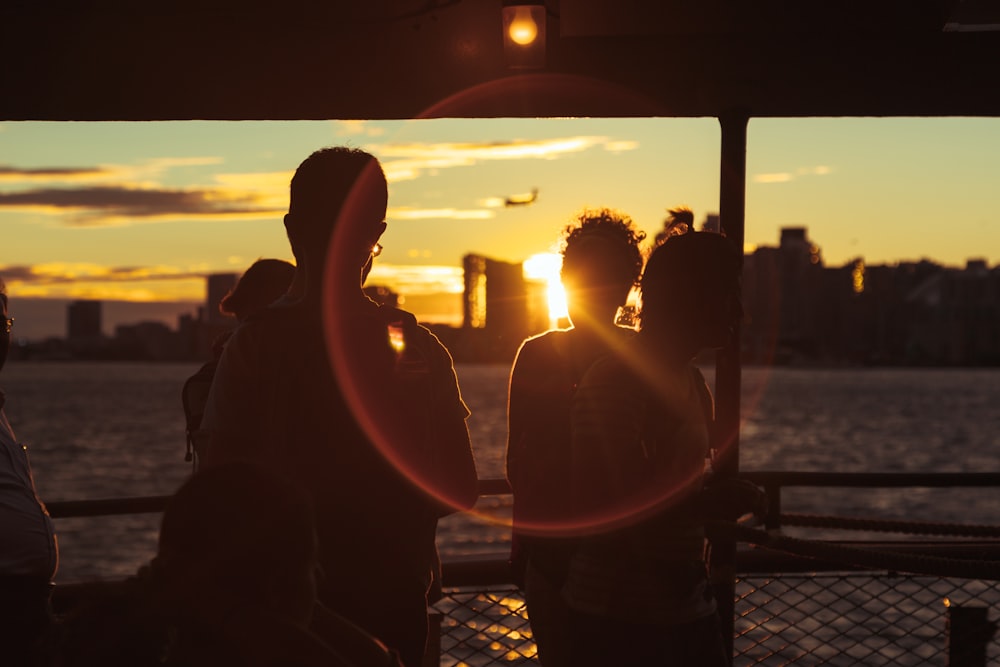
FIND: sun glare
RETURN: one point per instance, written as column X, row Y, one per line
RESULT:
column 546, row 266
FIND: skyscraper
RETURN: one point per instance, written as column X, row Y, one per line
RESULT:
column 83, row 321
column 496, row 301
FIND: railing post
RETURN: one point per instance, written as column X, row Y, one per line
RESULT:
column 772, row 521
column 432, row 652
column 967, row 632
column 728, row 374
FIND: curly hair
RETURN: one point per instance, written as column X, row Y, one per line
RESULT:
column 610, row 225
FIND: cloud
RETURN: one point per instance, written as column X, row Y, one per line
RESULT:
column 787, row 176
column 107, row 173
column 55, row 273
column 409, row 213
column 134, row 283
column 350, row 128
column 131, row 283
column 93, row 281
column 15, row 273
column 107, row 205
column 8, row 173
column 780, row 177
column 407, row 161
column 493, row 202
column 104, row 195
column 621, row 146
column 418, row 280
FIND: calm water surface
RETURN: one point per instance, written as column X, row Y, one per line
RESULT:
column 100, row 430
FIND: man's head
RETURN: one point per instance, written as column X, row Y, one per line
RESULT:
column 691, row 285
column 338, row 197
column 601, row 263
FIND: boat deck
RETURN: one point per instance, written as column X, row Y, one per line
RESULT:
column 910, row 601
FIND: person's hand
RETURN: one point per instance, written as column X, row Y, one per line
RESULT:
column 730, row 498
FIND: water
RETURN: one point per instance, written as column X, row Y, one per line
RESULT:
column 100, row 430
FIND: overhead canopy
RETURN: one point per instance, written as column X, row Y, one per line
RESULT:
column 384, row 59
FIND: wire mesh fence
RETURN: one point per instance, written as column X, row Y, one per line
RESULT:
column 863, row 619
column 836, row 619
column 485, row 627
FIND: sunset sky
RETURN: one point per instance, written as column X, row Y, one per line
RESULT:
column 142, row 211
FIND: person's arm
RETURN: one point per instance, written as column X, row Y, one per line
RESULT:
column 518, row 392
column 456, row 465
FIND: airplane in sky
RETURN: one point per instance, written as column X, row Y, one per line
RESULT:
column 522, row 199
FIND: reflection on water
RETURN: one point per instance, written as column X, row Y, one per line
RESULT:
column 117, row 429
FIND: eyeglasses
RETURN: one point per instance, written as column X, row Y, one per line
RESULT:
column 376, row 250
column 8, row 324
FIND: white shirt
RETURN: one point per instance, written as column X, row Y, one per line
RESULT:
column 27, row 538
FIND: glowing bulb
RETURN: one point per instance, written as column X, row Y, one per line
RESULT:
column 524, row 34
column 523, row 30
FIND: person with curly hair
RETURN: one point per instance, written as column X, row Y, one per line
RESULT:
column 637, row 581
column 602, row 261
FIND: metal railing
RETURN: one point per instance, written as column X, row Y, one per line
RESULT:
column 813, row 608
column 835, row 618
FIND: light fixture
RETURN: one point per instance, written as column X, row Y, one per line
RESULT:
column 524, row 34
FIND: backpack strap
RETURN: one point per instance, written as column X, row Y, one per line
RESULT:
column 704, row 396
column 194, row 396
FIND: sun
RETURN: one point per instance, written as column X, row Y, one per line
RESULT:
column 545, row 266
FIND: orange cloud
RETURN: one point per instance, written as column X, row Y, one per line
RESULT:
column 407, row 161
column 111, row 205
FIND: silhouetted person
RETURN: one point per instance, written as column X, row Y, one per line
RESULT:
column 679, row 220
column 638, row 580
column 601, row 264
column 233, row 583
column 356, row 403
column 263, row 283
column 29, row 555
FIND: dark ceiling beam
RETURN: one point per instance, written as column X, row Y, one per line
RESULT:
column 114, row 60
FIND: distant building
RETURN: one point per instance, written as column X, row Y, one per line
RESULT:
column 213, row 322
column 83, row 322
column 150, row 341
column 474, row 293
column 496, row 312
column 780, row 296
column 908, row 314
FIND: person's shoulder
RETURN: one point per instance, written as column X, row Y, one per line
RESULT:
column 272, row 333
column 407, row 321
column 277, row 314
column 549, row 345
column 392, row 315
column 552, row 337
column 276, row 320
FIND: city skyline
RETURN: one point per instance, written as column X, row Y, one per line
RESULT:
column 49, row 318
column 141, row 212
column 798, row 312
